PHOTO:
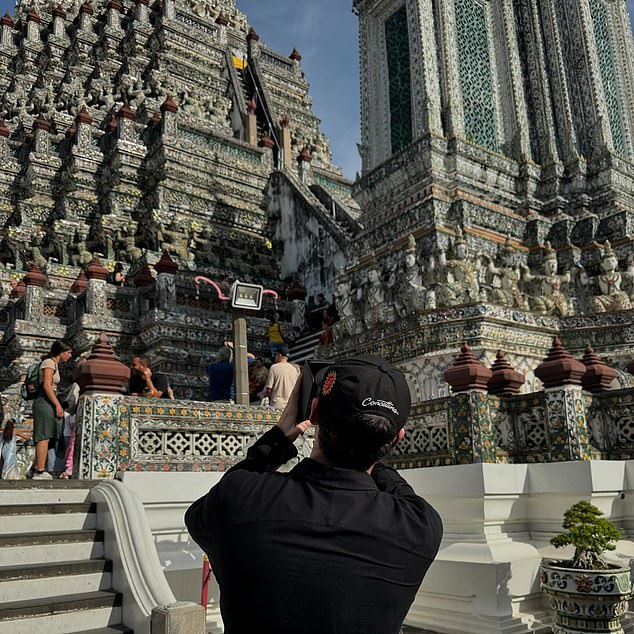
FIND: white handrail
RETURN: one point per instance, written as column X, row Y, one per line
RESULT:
column 137, row 571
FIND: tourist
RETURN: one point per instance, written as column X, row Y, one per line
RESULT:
column 47, row 410
column 341, row 543
column 143, row 382
column 276, row 337
column 70, row 409
column 9, row 451
column 281, row 380
column 117, row 277
column 317, row 312
column 258, row 374
column 220, row 374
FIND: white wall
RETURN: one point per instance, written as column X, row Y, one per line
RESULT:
column 498, row 520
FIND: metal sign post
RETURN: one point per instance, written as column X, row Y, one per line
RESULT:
column 243, row 296
column 240, row 365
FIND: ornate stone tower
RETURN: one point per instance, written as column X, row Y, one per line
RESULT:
column 498, row 177
column 131, row 130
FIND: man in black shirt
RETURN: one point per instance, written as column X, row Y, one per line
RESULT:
column 143, row 382
column 340, row 544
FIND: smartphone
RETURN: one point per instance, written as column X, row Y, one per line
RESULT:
column 310, row 372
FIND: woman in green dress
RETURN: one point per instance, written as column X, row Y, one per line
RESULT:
column 47, row 410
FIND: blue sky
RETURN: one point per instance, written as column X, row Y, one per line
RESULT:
column 325, row 33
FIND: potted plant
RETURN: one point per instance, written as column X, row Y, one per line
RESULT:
column 587, row 593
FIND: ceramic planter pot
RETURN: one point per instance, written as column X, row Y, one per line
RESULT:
column 586, row 600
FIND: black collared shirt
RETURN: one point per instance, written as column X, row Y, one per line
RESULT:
column 319, row 550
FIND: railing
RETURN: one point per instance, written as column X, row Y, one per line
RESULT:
column 120, row 433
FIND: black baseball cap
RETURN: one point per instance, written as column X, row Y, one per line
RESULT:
column 363, row 384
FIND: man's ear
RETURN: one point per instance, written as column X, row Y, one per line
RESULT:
column 314, row 411
column 400, row 435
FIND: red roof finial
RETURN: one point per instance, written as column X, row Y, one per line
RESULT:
column 86, row 8
column 222, row 20
column 505, row 381
column 166, row 264
column 102, row 371
column 35, row 277
column 96, row 270
column 32, row 16
column 80, row 284
column 169, row 105
column 305, row 155
column 125, row 112
column 295, row 56
column 252, row 35
column 83, row 116
column 41, row 123
column 560, row 367
column 598, row 375
column 467, row 373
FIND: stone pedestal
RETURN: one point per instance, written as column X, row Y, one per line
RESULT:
column 567, row 424
column 471, row 436
column 179, row 618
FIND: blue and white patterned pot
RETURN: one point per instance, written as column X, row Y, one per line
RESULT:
column 586, row 600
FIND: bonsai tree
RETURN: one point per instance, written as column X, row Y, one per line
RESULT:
column 589, row 533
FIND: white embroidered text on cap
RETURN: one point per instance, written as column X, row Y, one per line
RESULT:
column 368, row 402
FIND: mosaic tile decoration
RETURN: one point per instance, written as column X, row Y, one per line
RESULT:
column 568, row 430
column 120, row 433
column 471, row 428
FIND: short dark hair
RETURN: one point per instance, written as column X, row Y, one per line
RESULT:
column 144, row 360
column 358, row 441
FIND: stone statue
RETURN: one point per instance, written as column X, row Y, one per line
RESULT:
column 131, row 253
column 37, row 258
column 56, row 243
column 166, row 291
column 459, row 276
column 505, row 277
column 410, row 289
column 82, row 257
column 609, row 296
column 372, row 294
column 344, row 301
column 548, row 298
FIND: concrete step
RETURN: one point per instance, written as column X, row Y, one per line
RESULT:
column 21, row 518
column 113, row 629
column 37, row 581
column 59, row 546
column 45, row 491
column 61, row 614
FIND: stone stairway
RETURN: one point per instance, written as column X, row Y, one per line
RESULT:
column 54, row 578
column 303, row 348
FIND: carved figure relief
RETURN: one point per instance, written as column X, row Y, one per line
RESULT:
column 504, row 277
column 607, row 290
column 458, row 275
column 548, row 295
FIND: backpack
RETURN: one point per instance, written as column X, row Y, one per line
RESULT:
column 31, row 386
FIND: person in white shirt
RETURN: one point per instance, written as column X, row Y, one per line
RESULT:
column 282, row 378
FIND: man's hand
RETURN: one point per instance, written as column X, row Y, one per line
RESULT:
column 288, row 420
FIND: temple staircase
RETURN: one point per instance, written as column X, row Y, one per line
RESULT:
column 54, row 578
column 303, row 348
